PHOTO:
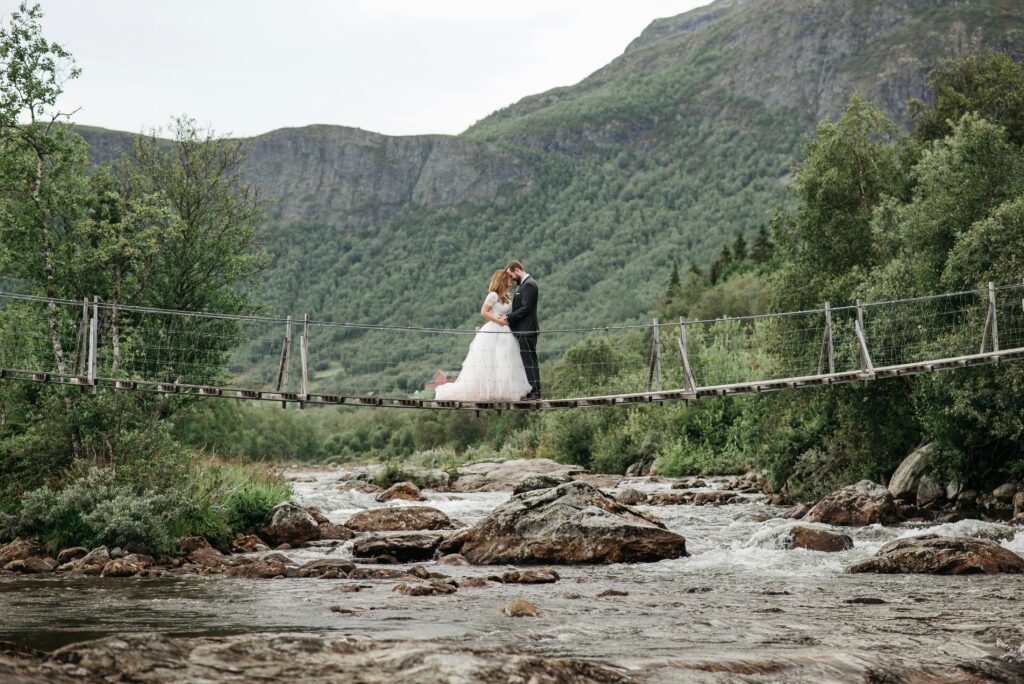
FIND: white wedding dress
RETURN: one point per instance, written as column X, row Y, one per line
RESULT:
column 493, row 369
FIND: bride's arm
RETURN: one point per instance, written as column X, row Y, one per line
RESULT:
column 485, row 311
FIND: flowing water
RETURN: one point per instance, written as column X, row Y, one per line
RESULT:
column 740, row 608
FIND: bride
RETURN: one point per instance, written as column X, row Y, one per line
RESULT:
column 493, row 369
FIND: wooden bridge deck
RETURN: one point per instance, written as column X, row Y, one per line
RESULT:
column 1005, row 355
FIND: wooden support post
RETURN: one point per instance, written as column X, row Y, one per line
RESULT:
column 866, row 366
column 93, row 338
column 82, row 348
column 655, row 369
column 282, row 371
column 304, row 354
column 688, row 382
column 826, row 345
column 991, row 324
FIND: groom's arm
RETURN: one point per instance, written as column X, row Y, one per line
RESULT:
column 527, row 303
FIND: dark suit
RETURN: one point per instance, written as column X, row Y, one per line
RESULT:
column 524, row 323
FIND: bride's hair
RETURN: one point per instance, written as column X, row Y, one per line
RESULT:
column 499, row 284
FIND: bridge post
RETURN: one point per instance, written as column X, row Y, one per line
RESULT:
column 866, row 366
column 655, row 369
column 282, row 371
column 93, row 337
column 990, row 321
column 688, row 382
column 82, row 349
column 826, row 345
column 304, row 354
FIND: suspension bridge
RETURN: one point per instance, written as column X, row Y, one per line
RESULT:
column 99, row 345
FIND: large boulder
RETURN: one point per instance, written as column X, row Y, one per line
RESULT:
column 903, row 483
column 572, row 523
column 929, row 492
column 405, row 491
column 1005, row 492
column 403, row 547
column 936, row 555
column 817, row 539
column 288, row 523
column 497, row 476
column 398, row 519
column 91, row 563
column 532, row 481
column 863, row 503
column 20, row 549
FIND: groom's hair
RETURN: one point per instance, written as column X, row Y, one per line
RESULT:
column 515, row 266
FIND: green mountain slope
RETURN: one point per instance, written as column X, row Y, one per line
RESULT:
column 676, row 146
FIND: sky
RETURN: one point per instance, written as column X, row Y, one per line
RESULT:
column 400, row 67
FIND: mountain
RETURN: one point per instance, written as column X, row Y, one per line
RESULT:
column 673, row 148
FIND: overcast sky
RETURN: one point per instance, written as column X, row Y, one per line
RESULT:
column 394, row 66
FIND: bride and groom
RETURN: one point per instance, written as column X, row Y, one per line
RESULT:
column 502, row 361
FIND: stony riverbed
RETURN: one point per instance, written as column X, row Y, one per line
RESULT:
column 740, row 607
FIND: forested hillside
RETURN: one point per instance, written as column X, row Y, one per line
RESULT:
column 665, row 154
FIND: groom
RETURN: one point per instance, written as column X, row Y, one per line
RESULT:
column 523, row 321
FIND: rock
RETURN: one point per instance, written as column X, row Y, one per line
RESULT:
column 630, row 496
column 425, row 588
column 942, row 556
column 816, row 539
column 929, row 492
column 796, row 512
column 290, row 524
column 159, row 659
column 405, row 491
column 31, row 566
column 453, row 559
column 538, row 576
column 118, row 552
column 953, row 490
column 199, row 551
column 521, row 608
column 248, row 543
column 1005, row 492
column 317, row 515
column 612, row 592
column 399, row 518
column 405, row 547
column 20, row 549
column 1018, row 503
column 259, row 569
column 91, row 563
column 473, row 582
column 330, row 530
column 532, row 481
column 70, row 554
column 714, row 498
column 318, row 568
column 863, row 503
column 377, row 573
column 904, row 482
column 640, row 468
column 126, row 566
column 572, row 523
column 347, row 588
column 495, row 476
column 670, row 498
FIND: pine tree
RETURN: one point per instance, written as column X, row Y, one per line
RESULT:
column 723, row 262
column 739, row 248
column 763, row 249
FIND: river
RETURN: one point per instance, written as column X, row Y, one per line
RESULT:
column 740, row 608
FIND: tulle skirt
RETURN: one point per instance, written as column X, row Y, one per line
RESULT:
column 492, row 371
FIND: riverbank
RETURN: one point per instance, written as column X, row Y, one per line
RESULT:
column 742, row 606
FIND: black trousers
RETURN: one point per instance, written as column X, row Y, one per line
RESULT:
column 528, row 352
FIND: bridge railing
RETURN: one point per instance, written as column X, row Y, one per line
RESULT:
column 87, row 340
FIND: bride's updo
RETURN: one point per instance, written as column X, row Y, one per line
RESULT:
column 499, row 285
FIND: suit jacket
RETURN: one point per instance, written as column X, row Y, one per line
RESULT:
column 523, row 316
